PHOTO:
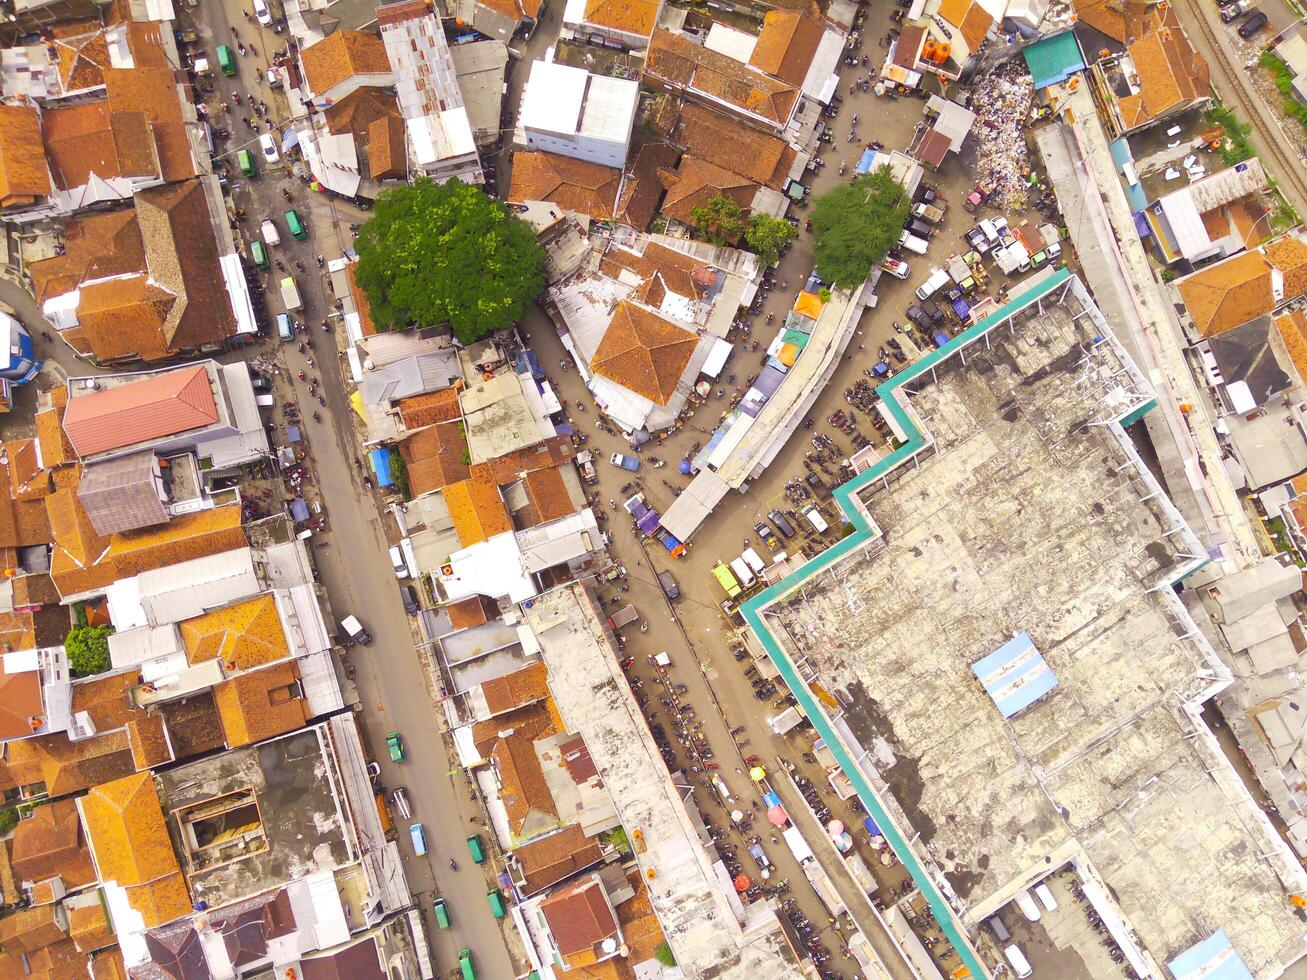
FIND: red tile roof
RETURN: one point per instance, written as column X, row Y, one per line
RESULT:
column 644, row 352
column 579, row 917
column 138, row 411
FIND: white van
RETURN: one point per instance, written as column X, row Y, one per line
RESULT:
column 1045, row 897
column 271, row 235
column 397, row 562
column 912, row 243
column 1020, row 965
column 813, row 517
column 936, row 281
column 754, row 560
column 1027, row 905
column 743, row 574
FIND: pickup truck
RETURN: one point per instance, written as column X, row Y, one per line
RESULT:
column 625, row 462
column 929, row 212
column 290, row 294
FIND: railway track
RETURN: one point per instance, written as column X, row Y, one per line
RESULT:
column 1288, row 167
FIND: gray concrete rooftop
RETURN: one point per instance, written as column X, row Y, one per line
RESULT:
column 1029, row 519
column 296, row 787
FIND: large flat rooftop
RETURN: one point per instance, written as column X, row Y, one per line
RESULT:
column 1035, row 516
column 251, row 819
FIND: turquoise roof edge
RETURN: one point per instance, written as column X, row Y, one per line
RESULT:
column 862, row 534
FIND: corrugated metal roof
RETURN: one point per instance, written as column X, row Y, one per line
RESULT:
column 1015, row 675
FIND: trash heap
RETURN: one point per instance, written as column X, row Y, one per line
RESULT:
column 1002, row 101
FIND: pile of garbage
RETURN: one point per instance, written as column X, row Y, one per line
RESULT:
column 1002, row 101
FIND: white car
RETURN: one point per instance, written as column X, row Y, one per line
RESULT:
column 261, row 13
column 912, row 243
column 897, row 269
column 269, row 147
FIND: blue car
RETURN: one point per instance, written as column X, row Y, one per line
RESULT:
column 625, row 462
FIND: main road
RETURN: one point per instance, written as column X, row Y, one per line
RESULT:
column 352, row 557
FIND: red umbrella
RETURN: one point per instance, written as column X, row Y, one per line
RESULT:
column 777, row 816
column 742, row 883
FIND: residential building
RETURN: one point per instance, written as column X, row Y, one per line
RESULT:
column 504, row 20
column 679, row 64
column 148, row 283
column 573, row 113
column 344, row 70
column 35, row 693
column 625, row 24
column 1255, row 283
column 1213, row 217
column 1157, row 76
column 440, row 140
column 572, row 184
column 581, row 927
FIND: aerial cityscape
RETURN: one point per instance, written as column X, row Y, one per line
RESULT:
column 653, row 489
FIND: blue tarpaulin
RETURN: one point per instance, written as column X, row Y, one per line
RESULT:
column 380, row 459
column 1212, row 959
column 1015, row 675
column 648, row 522
column 867, row 163
column 564, row 428
column 961, row 308
column 299, row 510
column 528, row 362
column 871, row 827
column 670, row 543
column 941, row 338
column 880, row 370
column 290, row 138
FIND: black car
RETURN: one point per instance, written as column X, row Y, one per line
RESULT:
column 919, row 316
column 782, row 523
column 933, row 311
column 410, row 597
column 925, row 194
column 1255, row 22
column 920, row 228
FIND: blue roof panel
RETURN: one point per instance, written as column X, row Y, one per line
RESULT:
column 1015, row 675
column 1212, row 959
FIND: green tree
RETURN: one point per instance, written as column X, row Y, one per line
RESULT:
column 856, row 225
column 88, row 649
column 447, row 253
column 721, row 220
column 767, row 236
column 664, row 955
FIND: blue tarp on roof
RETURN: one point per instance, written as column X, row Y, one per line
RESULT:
column 867, row 162
column 299, row 510
column 527, row 362
column 380, row 459
column 1212, row 959
column 1054, row 59
column 1015, row 675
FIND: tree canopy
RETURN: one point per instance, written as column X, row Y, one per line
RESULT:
column 88, row 649
column 767, row 236
column 447, row 253
column 856, row 225
column 720, row 220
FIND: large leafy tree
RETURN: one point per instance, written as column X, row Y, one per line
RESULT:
column 856, row 225
column 767, row 236
column 88, row 649
column 447, row 253
column 719, row 219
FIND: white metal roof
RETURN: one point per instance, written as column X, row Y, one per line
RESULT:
column 731, row 42
column 693, row 506
column 189, row 588
column 554, row 97
column 609, row 110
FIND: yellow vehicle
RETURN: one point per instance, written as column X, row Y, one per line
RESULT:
column 726, row 580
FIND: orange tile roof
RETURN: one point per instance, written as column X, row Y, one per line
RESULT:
column 477, row 510
column 1292, row 328
column 678, row 63
column 387, row 150
column 340, row 56
column 108, row 965
column 786, row 45
column 636, row 17
column 89, row 926
column 243, row 636
column 22, row 708
column 468, row 612
column 530, row 683
column 522, row 788
column 1171, row 74
column 361, row 303
column 550, row 859
column 514, row 9
column 49, row 843
column 553, row 451
column 55, row 447
column 723, row 141
column 574, row 185
column 534, row 721
column 139, row 411
column 579, row 917
column 67, row 767
column 695, row 182
column 357, row 112
column 24, row 176
column 147, row 736
column 29, row 930
column 431, row 408
column 259, row 704
column 9, row 893
column 436, row 457
column 644, row 352
column 125, row 825
column 975, row 25
column 548, row 495
column 107, row 699
column 1227, row 294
